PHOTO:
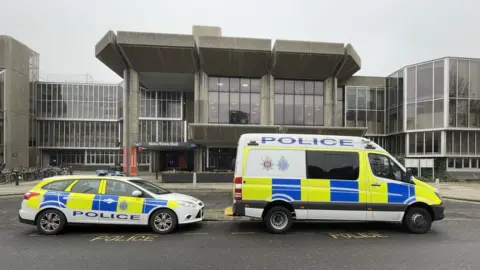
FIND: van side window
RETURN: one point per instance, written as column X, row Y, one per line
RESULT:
column 382, row 166
column 332, row 165
column 59, row 185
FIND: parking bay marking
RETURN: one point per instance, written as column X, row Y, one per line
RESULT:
column 363, row 235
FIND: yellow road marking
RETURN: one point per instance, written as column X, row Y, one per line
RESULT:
column 228, row 211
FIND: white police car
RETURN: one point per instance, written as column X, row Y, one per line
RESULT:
column 73, row 199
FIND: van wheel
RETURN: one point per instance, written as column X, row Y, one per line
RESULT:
column 417, row 220
column 50, row 222
column 163, row 221
column 278, row 219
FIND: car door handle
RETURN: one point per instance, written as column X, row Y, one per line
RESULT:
column 67, row 198
column 376, row 185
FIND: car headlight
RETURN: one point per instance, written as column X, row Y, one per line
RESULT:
column 186, row 204
column 437, row 192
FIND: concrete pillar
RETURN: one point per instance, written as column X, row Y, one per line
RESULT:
column 267, row 101
column 201, row 97
column 131, row 111
column 198, row 159
column 329, row 101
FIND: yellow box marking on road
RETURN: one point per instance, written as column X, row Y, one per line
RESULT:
column 228, row 211
column 123, row 238
column 363, row 235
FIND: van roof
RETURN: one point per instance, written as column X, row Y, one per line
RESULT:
column 308, row 140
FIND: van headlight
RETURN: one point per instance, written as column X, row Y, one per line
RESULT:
column 437, row 192
column 186, row 204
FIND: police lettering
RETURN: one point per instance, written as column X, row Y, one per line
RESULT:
column 106, row 215
column 314, row 141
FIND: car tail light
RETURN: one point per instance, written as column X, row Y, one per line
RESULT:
column 29, row 195
column 238, row 188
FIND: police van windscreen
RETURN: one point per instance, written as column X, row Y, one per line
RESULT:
column 150, row 187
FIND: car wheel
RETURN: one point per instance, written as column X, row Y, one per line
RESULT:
column 278, row 219
column 163, row 221
column 50, row 222
column 417, row 220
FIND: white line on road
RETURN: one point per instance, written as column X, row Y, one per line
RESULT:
column 198, row 233
column 237, row 233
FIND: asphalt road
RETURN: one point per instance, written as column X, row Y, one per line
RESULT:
column 452, row 244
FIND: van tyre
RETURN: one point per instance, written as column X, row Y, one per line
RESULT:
column 163, row 221
column 278, row 219
column 50, row 222
column 417, row 220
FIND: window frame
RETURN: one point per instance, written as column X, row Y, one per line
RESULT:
column 357, row 153
column 391, row 162
column 79, row 180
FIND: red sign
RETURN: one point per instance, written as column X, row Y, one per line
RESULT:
column 133, row 161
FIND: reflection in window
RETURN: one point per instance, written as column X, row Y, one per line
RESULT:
column 463, row 78
column 475, row 78
column 365, row 108
column 161, row 131
column 234, row 100
column 425, row 82
column 298, row 103
column 438, row 78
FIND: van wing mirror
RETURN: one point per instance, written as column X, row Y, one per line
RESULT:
column 407, row 178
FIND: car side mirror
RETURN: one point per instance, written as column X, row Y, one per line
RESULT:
column 407, row 178
column 137, row 193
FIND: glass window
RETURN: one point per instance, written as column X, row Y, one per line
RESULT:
column 425, row 82
column 309, row 110
column 245, row 85
column 475, row 78
column 471, row 143
column 309, row 88
column 279, row 86
column 278, row 109
column 380, row 98
column 351, row 97
column 462, row 113
column 463, row 78
column 411, row 116
column 299, row 87
column 319, row 88
column 289, row 110
column 255, row 85
column 382, row 166
column 463, row 142
column 453, row 72
column 289, row 87
column 362, row 97
column 371, row 99
column 299, row 109
column 223, row 84
column 234, row 84
column 438, row 113
column 380, row 122
column 86, row 186
column 351, row 118
column 319, row 110
column 117, row 188
column 332, row 165
column 255, row 109
column 224, row 112
column 420, row 143
column 438, row 79
column 58, row 185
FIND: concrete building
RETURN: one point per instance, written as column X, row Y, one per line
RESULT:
column 206, row 89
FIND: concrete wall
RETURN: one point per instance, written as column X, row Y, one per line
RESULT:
column 364, row 81
column 15, row 57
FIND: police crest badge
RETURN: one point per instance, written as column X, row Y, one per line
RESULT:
column 283, row 164
column 123, row 205
column 267, row 163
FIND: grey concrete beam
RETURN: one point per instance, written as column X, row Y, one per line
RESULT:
column 351, row 65
column 152, row 52
column 305, row 60
column 364, row 81
column 107, row 53
column 234, row 57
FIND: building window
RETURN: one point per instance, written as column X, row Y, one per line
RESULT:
column 161, row 131
column 221, row 158
column 161, row 105
column 365, row 108
column 299, row 103
column 425, row 143
column 234, row 100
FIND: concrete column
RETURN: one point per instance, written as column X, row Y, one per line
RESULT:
column 201, row 97
column 267, row 100
column 329, row 101
column 131, row 112
column 198, row 159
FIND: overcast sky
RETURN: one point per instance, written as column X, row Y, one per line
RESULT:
column 387, row 34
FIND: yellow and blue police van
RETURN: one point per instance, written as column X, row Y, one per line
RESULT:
column 284, row 177
column 74, row 199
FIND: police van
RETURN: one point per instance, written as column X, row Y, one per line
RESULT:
column 284, row 177
column 74, row 199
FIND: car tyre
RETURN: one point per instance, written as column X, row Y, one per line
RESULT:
column 163, row 221
column 417, row 220
column 278, row 220
column 51, row 222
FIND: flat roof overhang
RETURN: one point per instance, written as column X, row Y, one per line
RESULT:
column 212, row 134
column 234, row 57
column 313, row 60
column 161, row 60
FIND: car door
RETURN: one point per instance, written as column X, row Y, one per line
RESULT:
column 118, row 206
column 336, row 185
column 388, row 196
column 82, row 203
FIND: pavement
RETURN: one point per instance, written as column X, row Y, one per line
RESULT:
column 452, row 243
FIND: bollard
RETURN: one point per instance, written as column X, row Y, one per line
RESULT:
column 17, row 179
column 194, row 179
column 437, row 183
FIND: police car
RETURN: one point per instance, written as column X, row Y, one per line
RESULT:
column 73, row 199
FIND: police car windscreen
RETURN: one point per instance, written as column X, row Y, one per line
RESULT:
column 150, row 186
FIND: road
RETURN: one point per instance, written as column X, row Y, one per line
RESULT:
column 452, row 244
